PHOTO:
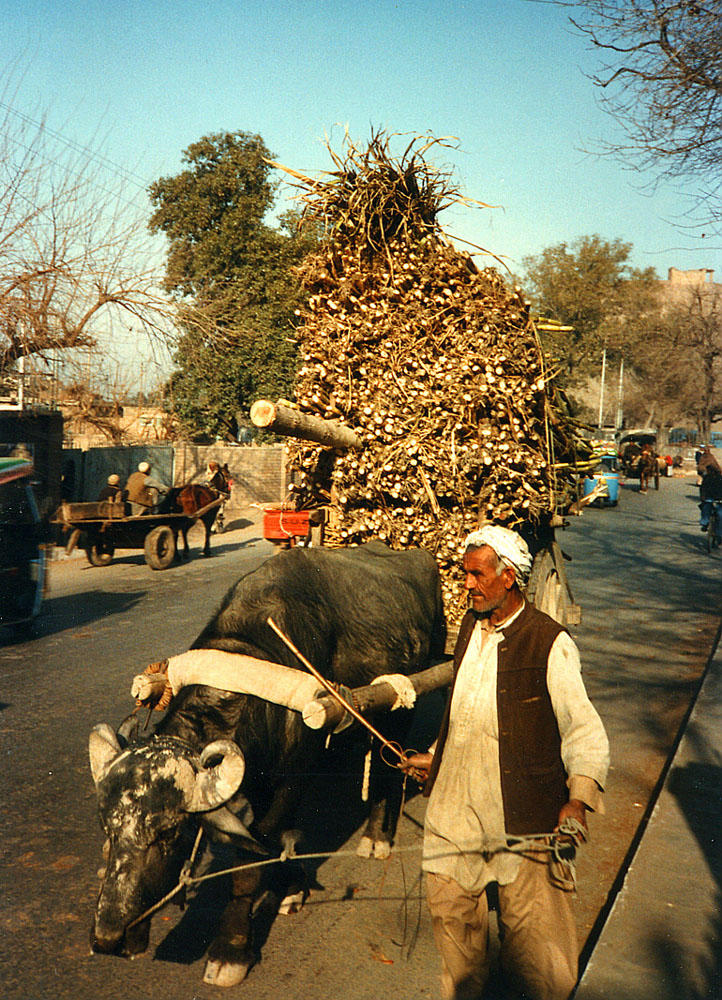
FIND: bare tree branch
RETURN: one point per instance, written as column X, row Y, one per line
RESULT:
column 77, row 264
column 662, row 82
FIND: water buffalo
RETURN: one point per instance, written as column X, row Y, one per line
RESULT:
column 234, row 762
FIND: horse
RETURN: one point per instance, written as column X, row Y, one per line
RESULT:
column 195, row 496
column 640, row 462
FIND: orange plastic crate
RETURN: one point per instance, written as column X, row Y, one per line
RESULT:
column 279, row 524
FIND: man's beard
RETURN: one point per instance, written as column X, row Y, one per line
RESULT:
column 487, row 605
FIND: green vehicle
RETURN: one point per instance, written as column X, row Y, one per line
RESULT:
column 22, row 553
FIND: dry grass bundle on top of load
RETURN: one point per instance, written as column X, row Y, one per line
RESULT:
column 434, row 363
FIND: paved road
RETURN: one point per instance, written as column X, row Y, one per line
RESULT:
column 651, row 600
column 663, row 937
column 652, row 603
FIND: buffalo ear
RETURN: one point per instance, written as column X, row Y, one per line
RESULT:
column 103, row 748
column 214, row 785
column 229, row 826
column 128, row 729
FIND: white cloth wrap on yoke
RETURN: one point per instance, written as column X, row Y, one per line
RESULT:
column 243, row 675
column 404, row 689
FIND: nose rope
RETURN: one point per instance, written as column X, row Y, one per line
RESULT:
column 561, row 846
column 185, row 878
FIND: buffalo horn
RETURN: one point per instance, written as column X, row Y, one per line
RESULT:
column 128, row 729
column 212, row 786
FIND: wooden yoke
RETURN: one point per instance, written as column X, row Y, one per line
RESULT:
column 292, row 423
column 325, row 712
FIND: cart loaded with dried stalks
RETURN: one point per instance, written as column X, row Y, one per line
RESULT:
column 440, row 410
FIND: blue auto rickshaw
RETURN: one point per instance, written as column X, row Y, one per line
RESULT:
column 603, row 474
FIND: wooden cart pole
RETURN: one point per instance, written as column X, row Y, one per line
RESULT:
column 292, row 423
column 324, row 712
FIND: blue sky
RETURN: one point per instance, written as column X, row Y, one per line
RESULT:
column 138, row 80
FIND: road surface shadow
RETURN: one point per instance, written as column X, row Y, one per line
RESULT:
column 63, row 614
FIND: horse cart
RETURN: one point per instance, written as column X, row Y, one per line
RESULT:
column 548, row 588
column 101, row 528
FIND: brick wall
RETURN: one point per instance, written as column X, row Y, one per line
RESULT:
column 259, row 473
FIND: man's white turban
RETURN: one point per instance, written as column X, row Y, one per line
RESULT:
column 509, row 546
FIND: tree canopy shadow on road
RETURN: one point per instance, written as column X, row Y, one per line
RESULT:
column 136, row 557
column 626, row 652
column 72, row 611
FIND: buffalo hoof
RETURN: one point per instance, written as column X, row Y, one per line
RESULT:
column 368, row 848
column 365, row 848
column 382, row 849
column 225, row 974
column 293, row 903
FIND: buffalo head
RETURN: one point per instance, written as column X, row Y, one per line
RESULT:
column 148, row 794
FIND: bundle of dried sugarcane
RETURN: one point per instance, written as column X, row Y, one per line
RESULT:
column 433, row 363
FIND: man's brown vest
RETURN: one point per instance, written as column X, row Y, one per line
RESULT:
column 533, row 780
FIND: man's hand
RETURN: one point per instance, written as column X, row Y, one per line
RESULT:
column 417, row 766
column 575, row 809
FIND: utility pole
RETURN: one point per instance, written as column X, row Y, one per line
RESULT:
column 601, row 387
column 620, row 396
column 21, row 382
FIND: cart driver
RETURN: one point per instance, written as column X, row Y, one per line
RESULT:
column 143, row 492
column 111, row 491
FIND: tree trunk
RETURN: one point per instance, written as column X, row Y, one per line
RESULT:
column 293, row 423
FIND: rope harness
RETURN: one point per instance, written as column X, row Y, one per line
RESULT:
column 560, row 847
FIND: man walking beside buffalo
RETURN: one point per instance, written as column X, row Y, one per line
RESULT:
column 521, row 750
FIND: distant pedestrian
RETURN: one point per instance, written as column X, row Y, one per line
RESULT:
column 710, row 493
column 112, row 490
column 707, row 460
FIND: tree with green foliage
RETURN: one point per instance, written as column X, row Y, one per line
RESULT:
column 670, row 344
column 231, row 274
column 590, row 288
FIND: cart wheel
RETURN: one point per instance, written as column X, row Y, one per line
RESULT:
column 72, row 541
column 100, row 553
column 160, row 547
column 548, row 589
